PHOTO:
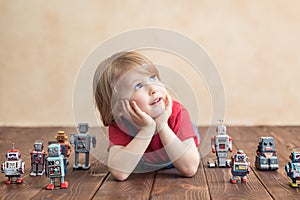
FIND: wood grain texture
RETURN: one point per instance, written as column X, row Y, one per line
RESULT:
column 208, row 183
column 137, row 186
column 169, row 184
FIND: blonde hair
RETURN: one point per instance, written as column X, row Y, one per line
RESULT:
column 113, row 68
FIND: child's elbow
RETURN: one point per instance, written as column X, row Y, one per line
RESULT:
column 189, row 171
column 119, row 175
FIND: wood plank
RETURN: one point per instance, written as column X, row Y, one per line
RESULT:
column 276, row 182
column 219, row 185
column 169, row 184
column 137, row 186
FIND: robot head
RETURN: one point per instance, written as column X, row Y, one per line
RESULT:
column 13, row 154
column 267, row 144
column 38, row 146
column 221, row 128
column 61, row 136
column 54, row 150
column 240, row 156
column 295, row 156
column 83, row 127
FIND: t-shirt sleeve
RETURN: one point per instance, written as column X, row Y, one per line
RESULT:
column 181, row 123
column 117, row 136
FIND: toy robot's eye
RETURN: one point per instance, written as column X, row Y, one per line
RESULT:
column 265, row 143
column 271, row 143
column 242, row 157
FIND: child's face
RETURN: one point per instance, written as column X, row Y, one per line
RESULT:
column 143, row 88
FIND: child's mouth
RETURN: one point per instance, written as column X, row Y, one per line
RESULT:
column 156, row 101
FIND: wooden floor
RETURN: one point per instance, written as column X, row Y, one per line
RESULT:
column 97, row 183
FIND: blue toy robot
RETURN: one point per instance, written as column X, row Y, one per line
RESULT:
column 293, row 168
column 240, row 167
column 266, row 158
column 55, row 166
column 82, row 142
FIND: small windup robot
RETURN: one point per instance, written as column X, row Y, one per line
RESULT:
column 55, row 166
column 38, row 157
column 82, row 143
column 240, row 167
column 13, row 167
column 266, row 158
column 221, row 144
column 293, row 168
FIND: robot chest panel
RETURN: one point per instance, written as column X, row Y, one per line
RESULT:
column 82, row 144
column 38, row 158
column 296, row 168
column 12, row 167
column 55, row 167
column 240, row 167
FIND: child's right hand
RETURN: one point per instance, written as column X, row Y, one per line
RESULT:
column 132, row 112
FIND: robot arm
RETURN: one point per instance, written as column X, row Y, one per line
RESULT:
column 22, row 168
column 249, row 168
column 2, row 168
column 230, row 143
column 72, row 139
column 213, row 143
column 94, row 141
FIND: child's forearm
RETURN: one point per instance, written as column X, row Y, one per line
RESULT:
column 123, row 160
column 183, row 154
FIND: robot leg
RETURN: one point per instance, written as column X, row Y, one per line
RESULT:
column 244, row 179
column 63, row 184
column 76, row 166
column 50, row 186
column 87, row 158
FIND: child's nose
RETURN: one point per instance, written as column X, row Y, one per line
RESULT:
column 152, row 89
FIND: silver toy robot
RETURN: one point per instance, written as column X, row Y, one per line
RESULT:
column 13, row 167
column 38, row 157
column 82, row 142
column 221, row 144
column 55, row 166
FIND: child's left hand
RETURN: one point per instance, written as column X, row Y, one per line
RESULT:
column 133, row 113
column 162, row 120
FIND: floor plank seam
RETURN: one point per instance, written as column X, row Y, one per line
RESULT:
column 152, row 187
column 101, row 183
column 260, row 180
column 206, row 178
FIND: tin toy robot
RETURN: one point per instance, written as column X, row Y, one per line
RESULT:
column 62, row 139
column 13, row 167
column 293, row 168
column 38, row 157
column 82, row 142
column 55, row 166
column 221, row 144
column 240, row 167
column 266, row 158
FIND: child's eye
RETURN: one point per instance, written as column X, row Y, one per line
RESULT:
column 138, row 86
column 153, row 78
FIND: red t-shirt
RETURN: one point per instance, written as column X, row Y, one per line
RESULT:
column 179, row 122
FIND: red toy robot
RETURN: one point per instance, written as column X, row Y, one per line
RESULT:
column 38, row 157
column 13, row 166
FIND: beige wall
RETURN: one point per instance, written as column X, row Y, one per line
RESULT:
column 254, row 45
